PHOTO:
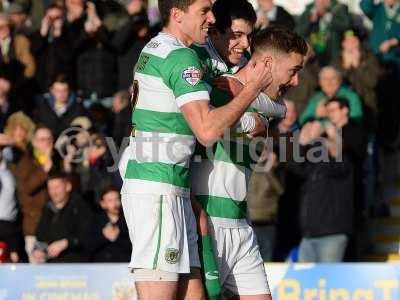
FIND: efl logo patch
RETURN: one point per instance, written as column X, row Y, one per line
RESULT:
column 191, row 75
column 172, row 255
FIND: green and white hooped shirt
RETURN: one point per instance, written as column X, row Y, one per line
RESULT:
column 220, row 174
column 169, row 75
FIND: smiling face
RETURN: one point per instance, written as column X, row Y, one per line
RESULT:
column 285, row 68
column 43, row 140
column 336, row 114
column 195, row 21
column 232, row 44
column 329, row 81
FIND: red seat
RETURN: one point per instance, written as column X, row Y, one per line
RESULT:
column 4, row 253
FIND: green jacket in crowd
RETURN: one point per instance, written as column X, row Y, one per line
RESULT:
column 355, row 105
column 325, row 36
column 386, row 25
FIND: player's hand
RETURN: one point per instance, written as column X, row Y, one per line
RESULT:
column 260, row 129
column 229, row 85
column 260, row 74
column 55, row 248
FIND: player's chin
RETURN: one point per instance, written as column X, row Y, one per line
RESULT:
column 201, row 39
column 234, row 59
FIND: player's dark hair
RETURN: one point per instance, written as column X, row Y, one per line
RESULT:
column 108, row 189
column 58, row 175
column 279, row 39
column 165, row 6
column 61, row 78
column 340, row 100
column 225, row 11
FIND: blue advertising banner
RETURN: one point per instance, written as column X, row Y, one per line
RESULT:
column 114, row 282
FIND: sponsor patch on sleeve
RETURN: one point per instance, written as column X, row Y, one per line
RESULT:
column 191, row 75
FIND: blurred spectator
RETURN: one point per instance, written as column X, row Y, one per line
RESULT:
column 5, row 105
column 99, row 159
column 308, row 82
column 360, row 70
column 17, row 135
column 289, row 124
column 18, row 65
column 108, row 237
column 52, row 48
column 89, row 158
column 96, row 61
column 16, row 59
column 19, row 18
column 384, row 40
column 287, row 227
column 122, row 112
column 31, row 174
column 75, row 11
column 323, row 200
column 385, row 34
column 10, row 231
column 101, row 117
column 269, row 14
column 74, row 147
column 262, row 201
column 323, row 23
column 330, row 82
column 36, row 12
column 59, row 107
column 354, row 148
column 130, row 40
column 65, row 219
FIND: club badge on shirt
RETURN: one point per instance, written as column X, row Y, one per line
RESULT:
column 192, row 75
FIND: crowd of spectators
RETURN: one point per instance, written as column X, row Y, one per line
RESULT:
column 65, row 70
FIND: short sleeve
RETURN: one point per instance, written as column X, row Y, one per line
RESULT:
column 182, row 73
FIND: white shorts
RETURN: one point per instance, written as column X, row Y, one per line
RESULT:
column 163, row 232
column 241, row 267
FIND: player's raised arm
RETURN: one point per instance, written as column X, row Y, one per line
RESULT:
column 209, row 124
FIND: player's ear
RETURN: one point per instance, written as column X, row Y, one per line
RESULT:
column 176, row 14
column 267, row 60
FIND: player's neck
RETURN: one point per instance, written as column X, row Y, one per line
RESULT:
column 176, row 32
column 242, row 75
